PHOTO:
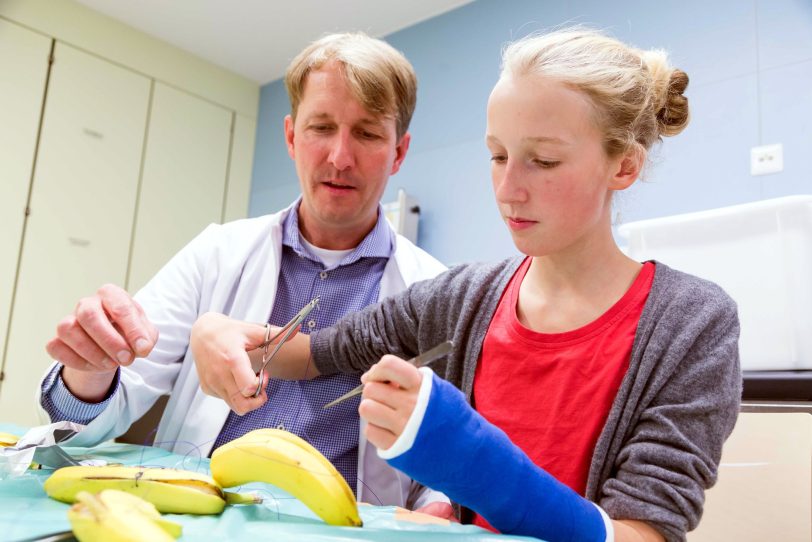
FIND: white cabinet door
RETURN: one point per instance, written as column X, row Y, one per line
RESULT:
column 82, row 207
column 764, row 490
column 239, row 172
column 24, row 65
column 184, row 179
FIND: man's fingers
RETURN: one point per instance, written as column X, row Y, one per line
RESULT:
column 129, row 317
column 255, row 335
column 90, row 315
column 75, row 337
column 242, row 374
column 229, row 378
column 152, row 330
column 243, row 405
column 62, row 353
column 88, row 333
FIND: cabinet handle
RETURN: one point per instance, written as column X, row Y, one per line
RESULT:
column 93, row 133
column 75, row 241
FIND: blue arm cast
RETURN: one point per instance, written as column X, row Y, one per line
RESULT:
column 458, row 452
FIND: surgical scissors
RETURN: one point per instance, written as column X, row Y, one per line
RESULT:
column 288, row 330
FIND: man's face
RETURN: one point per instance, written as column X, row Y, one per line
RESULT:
column 344, row 155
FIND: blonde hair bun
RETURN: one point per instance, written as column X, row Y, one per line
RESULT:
column 637, row 96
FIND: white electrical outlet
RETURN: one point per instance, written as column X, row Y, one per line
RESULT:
column 766, row 159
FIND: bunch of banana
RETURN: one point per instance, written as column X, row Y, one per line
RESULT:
column 7, row 439
column 116, row 516
column 288, row 462
column 170, row 490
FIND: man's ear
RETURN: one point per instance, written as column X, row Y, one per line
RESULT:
column 400, row 152
column 289, row 136
column 628, row 168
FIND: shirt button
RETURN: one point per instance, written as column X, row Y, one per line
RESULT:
column 323, row 275
column 311, row 324
column 281, row 426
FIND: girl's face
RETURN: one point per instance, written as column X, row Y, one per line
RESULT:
column 551, row 177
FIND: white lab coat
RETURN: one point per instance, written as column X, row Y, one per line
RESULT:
column 231, row 269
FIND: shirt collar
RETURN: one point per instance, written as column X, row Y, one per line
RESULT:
column 378, row 243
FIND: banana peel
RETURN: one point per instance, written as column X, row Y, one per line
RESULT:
column 7, row 439
column 171, row 491
column 283, row 459
column 116, row 516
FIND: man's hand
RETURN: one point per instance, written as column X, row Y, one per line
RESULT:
column 105, row 331
column 220, row 346
column 390, row 395
column 225, row 352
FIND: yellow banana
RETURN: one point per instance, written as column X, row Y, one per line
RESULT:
column 288, row 462
column 7, row 439
column 116, row 516
column 170, row 490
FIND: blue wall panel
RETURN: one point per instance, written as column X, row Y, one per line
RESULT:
column 786, row 106
column 750, row 64
column 274, row 183
column 784, row 32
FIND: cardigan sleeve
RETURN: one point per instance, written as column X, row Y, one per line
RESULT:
column 359, row 339
column 456, row 305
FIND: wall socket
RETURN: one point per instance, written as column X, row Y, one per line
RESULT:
column 767, row 159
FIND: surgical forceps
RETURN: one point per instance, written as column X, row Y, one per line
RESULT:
column 418, row 361
column 288, row 330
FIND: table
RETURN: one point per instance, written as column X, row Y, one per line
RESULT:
column 26, row 511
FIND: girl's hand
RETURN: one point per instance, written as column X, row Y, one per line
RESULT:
column 390, row 395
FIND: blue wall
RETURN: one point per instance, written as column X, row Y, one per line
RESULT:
column 750, row 64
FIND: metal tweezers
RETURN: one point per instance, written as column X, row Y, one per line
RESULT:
column 418, row 361
column 287, row 330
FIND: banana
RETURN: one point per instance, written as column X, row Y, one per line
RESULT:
column 170, row 490
column 288, row 462
column 116, row 516
column 7, row 439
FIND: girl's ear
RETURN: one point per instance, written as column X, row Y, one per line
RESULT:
column 628, row 168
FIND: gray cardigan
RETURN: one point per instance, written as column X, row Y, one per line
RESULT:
column 660, row 447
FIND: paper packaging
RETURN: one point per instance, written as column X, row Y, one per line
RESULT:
column 39, row 444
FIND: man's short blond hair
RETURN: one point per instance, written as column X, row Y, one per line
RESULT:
column 378, row 75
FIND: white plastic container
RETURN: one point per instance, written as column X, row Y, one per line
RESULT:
column 761, row 254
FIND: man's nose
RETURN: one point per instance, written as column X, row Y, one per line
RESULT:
column 341, row 155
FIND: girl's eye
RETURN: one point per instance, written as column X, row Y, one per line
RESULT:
column 546, row 164
column 498, row 159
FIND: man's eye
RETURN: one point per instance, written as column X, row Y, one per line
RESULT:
column 498, row 159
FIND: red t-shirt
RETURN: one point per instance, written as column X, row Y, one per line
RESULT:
column 551, row 392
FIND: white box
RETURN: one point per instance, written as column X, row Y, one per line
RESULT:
column 403, row 215
column 761, row 254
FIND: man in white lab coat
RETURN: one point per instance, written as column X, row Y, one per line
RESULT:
column 352, row 98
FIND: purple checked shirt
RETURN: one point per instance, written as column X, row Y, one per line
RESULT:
column 293, row 405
